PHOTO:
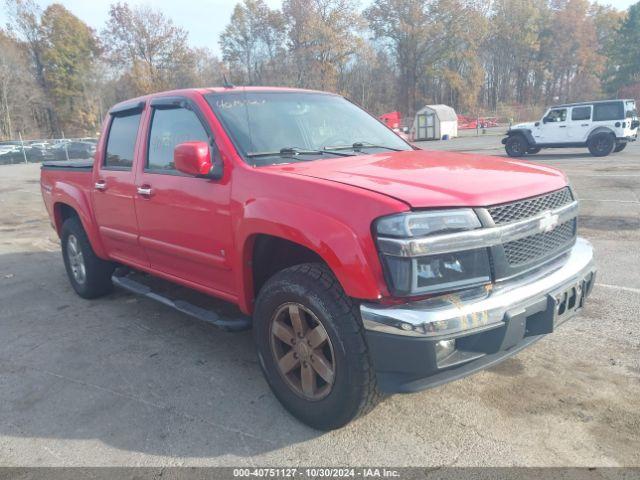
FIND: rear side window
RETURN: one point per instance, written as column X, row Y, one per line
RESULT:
column 608, row 111
column 169, row 128
column 121, row 143
column 581, row 113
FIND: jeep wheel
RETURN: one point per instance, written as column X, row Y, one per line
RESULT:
column 601, row 145
column 90, row 276
column 619, row 147
column 533, row 150
column 516, row 146
column 312, row 349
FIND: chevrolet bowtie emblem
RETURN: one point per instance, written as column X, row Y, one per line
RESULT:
column 548, row 222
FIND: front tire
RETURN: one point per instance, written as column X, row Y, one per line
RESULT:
column 620, row 147
column 311, row 347
column 601, row 144
column 90, row 276
column 533, row 150
column 516, row 146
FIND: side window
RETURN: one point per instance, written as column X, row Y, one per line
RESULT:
column 558, row 115
column 121, row 143
column 170, row 127
column 581, row 113
column 608, row 111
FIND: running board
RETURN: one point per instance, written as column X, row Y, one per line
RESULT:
column 237, row 325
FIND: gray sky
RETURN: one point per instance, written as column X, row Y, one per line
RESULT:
column 203, row 19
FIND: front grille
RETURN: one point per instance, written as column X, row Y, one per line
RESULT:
column 539, row 245
column 510, row 212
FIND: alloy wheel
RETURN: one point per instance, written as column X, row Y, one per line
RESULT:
column 303, row 351
column 76, row 260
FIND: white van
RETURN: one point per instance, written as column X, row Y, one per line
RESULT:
column 603, row 127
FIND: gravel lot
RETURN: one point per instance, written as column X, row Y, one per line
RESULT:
column 125, row 381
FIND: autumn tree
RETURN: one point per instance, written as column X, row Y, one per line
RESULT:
column 253, row 41
column 62, row 50
column 416, row 35
column 25, row 28
column 322, row 36
column 570, row 53
column 209, row 70
column 149, row 51
column 69, row 52
column 22, row 102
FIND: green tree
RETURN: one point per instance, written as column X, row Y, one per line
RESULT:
column 624, row 53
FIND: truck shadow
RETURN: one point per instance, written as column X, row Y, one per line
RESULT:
column 128, row 372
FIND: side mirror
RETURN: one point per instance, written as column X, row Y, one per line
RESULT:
column 537, row 124
column 194, row 158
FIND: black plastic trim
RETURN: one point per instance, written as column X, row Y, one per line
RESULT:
column 127, row 109
column 68, row 164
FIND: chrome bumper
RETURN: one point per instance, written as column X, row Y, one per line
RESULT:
column 475, row 310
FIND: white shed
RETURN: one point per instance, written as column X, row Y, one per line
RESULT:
column 435, row 122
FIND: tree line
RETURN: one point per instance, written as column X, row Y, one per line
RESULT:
column 58, row 76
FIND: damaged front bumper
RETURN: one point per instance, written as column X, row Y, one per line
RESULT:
column 426, row 343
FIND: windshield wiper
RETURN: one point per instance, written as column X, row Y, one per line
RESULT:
column 288, row 151
column 357, row 146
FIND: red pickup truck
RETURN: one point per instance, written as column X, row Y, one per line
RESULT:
column 364, row 265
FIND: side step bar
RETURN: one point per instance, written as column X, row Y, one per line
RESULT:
column 236, row 325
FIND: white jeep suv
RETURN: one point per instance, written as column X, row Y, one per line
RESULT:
column 603, row 127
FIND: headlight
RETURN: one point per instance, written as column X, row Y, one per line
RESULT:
column 433, row 273
column 407, row 225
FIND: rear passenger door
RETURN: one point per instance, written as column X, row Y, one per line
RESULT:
column 580, row 123
column 114, row 188
column 184, row 221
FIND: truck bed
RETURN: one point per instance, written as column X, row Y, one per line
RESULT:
column 73, row 177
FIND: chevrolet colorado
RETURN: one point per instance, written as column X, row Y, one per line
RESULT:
column 364, row 265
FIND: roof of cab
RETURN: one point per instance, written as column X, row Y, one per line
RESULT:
column 133, row 102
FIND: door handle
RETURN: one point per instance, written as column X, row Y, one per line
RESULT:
column 584, row 125
column 100, row 185
column 562, row 126
column 145, row 190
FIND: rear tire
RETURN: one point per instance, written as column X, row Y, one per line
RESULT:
column 292, row 304
column 620, row 147
column 90, row 276
column 601, row 144
column 516, row 146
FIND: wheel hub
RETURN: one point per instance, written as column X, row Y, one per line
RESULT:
column 302, row 351
column 76, row 259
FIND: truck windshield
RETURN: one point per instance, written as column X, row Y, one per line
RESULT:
column 273, row 127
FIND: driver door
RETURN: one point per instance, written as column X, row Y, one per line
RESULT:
column 553, row 129
column 184, row 221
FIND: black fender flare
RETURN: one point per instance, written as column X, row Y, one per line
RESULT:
column 599, row 130
column 528, row 136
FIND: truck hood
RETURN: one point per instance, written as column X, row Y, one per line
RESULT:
column 434, row 178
